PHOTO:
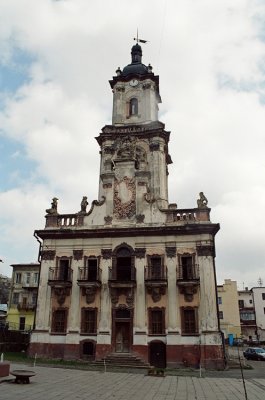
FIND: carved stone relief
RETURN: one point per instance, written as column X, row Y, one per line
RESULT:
column 171, row 252
column 206, row 250
column 108, row 220
column 188, row 292
column 124, row 198
column 156, row 292
column 106, row 254
column 61, row 294
column 90, row 294
column 140, row 218
column 140, row 252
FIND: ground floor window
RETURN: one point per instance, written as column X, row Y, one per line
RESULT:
column 189, row 321
column 89, row 320
column 59, row 321
column 156, row 321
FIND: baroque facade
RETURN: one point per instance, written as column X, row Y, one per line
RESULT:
column 133, row 275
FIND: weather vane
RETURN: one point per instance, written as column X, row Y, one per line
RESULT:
column 139, row 40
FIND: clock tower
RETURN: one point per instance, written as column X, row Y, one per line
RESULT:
column 134, row 149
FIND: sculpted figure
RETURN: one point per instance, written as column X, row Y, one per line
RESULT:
column 84, row 204
column 53, row 209
column 202, row 201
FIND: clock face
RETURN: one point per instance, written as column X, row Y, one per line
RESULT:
column 134, row 82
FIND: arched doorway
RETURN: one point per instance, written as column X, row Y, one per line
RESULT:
column 157, row 354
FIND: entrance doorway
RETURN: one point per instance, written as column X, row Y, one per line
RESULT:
column 122, row 344
column 122, row 330
column 157, row 354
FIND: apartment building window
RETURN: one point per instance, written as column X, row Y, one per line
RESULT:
column 219, row 300
column 221, row 315
column 89, row 320
column 34, row 299
column 156, row 321
column 263, row 296
column 36, row 277
column 15, row 298
column 59, row 321
column 241, row 303
column 27, row 280
column 18, row 277
column 189, row 321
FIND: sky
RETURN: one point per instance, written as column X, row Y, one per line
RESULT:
column 56, row 60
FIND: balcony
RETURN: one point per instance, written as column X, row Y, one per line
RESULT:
column 60, row 277
column 155, row 276
column 89, row 277
column 26, row 306
column 30, row 285
column 122, row 277
column 188, row 280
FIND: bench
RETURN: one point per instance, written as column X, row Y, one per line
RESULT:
column 22, row 375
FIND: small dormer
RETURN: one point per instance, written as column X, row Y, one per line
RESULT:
column 135, row 92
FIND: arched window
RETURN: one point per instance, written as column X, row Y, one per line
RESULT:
column 133, row 106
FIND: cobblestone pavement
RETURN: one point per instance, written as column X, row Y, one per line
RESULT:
column 66, row 384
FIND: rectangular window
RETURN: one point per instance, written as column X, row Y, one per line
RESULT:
column 156, row 321
column 263, row 296
column 187, row 268
column 18, row 277
column 27, row 278
column 89, row 320
column 15, row 298
column 219, row 300
column 36, row 277
column 59, row 321
column 156, row 267
column 189, row 321
column 34, row 299
column 221, row 315
column 250, row 302
column 241, row 303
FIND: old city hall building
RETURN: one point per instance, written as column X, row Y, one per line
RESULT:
column 133, row 276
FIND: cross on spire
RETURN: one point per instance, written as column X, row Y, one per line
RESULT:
column 139, row 40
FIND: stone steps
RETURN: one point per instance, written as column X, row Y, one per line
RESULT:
column 123, row 360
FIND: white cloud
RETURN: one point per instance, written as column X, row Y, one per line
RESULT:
column 210, row 58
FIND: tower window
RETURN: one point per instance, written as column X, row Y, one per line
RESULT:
column 133, row 106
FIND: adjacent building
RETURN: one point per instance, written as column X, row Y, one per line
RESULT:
column 228, row 309
column 258, row 294
column 247, row 315
column 23, row 296
column 133, row 275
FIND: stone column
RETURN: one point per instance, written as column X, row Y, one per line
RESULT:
column 140, row 323
column 74, row 311
column 173, row 307
column 208, row 308
column 105, row 308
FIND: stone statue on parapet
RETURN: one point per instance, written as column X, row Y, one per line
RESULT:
column 202, row 201
column 53, row 209
column 84, row 204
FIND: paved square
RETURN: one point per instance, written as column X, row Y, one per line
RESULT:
column 67, row 384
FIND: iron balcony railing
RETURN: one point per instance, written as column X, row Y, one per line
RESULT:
column 26, row 306
column 88, row 274
column 61, row 274
column 155, row 274
column 122, row 274
column 188, row 273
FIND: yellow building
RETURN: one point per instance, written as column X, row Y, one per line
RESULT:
column 228, row 308
column 23, row 296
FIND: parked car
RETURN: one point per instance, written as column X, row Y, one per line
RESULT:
column 254, row 353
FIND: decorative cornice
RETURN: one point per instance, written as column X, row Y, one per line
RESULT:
column 47, row 254
column 206, row 250
column 78, row 254
column 106, row 254
column 171, row 251
column 139, row 252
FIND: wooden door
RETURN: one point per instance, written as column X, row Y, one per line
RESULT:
column 122, row 344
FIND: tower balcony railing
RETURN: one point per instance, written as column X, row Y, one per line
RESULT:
column 64, row 220
column 64, row 276
column 188, row 273
column 187, row 215
column 155, row 274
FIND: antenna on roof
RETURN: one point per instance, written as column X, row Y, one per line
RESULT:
column 139, row 40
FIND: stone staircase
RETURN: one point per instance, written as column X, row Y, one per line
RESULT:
column 123, row 360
